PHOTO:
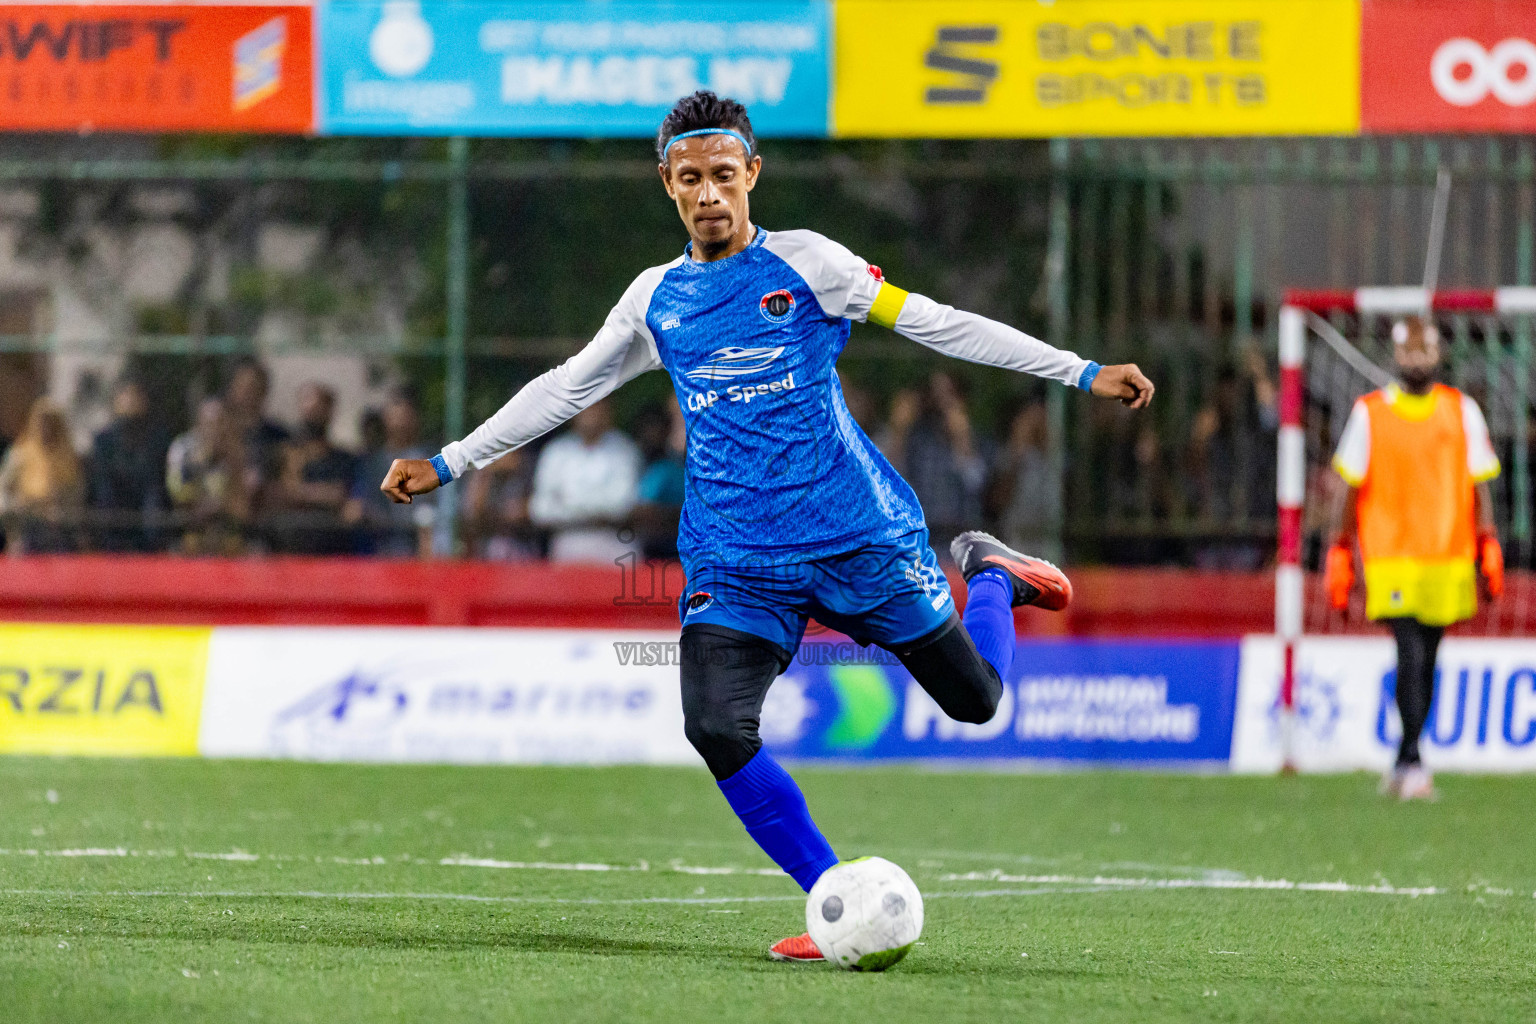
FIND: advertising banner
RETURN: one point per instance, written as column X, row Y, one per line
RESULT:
column 1096, row 67
column 601, row 697
column 161, row 67
column 1483, row 717
column 1448, row 66
column 516, row 67
column 1108, row 701
column 100, row 689
column 453, row 695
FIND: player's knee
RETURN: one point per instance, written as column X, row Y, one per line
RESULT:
column 980, row 703
column 723, row 740
column 723, row 680
column 711, row 726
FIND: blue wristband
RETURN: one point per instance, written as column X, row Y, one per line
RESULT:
column 1089, row 373
column 444, row 474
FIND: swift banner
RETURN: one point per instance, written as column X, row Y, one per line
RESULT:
column 1096, row 67
column 1448, row 66
column 85, row 67
column 567, row 68
column 101, row 689
column 1104, row 701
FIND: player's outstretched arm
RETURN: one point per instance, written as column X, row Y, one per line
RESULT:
column 1126, row 383
column 623, row 348
column 408, row 477
column 847, row 286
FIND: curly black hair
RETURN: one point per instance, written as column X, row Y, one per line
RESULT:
column 705, row 110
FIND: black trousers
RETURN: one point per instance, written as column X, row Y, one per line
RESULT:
column 726, row 675
column 1417, row 647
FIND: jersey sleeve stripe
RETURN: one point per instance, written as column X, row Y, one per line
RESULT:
column 1339, row 467
column 887, row 306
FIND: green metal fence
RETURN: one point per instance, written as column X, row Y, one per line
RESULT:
column 1171, row 253
column 1176, row 254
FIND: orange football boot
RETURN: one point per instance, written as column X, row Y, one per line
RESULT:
column 797, row 949
column 1035, row 581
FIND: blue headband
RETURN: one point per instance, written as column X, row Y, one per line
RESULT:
column 709, row 131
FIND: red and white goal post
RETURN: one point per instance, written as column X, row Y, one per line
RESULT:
column 1318, row 386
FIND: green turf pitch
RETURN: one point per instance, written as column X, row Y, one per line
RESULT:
column 230, row 891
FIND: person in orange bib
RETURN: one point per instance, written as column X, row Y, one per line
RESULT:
column 1417, row 459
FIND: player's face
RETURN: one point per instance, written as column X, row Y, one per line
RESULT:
column 1418, row 359
column 709, row 177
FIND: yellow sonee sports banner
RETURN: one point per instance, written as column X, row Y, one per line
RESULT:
column 931, row 68
column 101, row 689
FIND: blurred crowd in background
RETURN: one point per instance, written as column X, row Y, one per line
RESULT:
column 1173, row 254
column 224, row 478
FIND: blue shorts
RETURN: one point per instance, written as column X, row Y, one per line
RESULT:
column 889, row 593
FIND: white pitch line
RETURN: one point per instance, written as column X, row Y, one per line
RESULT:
column 1280, row 884
column 466, row 897
column 690, row 869
column 449, row 896
column 462, row 861
column 474, row 898
column 457, row 860
column 1211, row 879
column 238, row 855
column 240, row 894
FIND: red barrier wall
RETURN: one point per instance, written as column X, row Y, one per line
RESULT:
column 334, row 591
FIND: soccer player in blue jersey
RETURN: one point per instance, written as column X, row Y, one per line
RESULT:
column 791, row 512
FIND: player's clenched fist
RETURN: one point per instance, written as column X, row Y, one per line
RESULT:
column 407, row 477
column 1125, row 382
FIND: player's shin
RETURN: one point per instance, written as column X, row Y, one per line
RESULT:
column 773, row 810
column 989, row 618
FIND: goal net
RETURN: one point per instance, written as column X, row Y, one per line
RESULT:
column 1336, row 346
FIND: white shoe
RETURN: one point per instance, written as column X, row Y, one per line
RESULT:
column 1416, row 784
column 1391, row 782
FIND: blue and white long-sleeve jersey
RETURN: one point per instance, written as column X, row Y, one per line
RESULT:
column 777, row 470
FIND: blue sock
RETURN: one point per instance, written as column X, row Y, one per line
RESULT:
column 772, row 808
column 989, row 618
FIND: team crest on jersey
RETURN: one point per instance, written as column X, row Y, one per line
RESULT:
column 777, row 307
column 725, row 363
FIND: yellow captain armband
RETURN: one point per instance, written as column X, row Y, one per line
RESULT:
column 887, row 307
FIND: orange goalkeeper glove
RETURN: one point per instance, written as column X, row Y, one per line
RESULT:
column 1490, row 557
column 1339, row 575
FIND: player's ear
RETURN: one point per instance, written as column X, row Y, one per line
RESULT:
column 665, row 170
column 753, row 167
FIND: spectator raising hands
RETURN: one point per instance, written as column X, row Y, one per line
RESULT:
column 315, row 481
column 929, row 440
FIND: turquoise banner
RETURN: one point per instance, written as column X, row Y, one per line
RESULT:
column 566, row 68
